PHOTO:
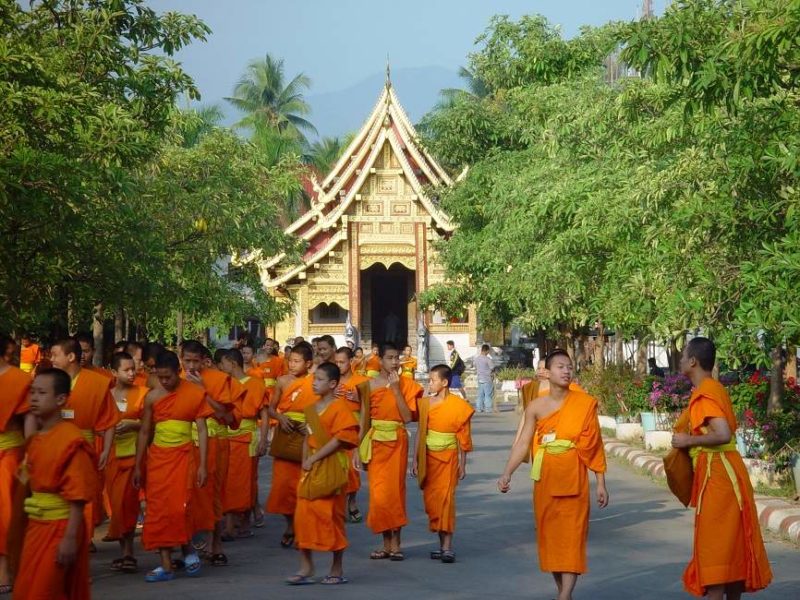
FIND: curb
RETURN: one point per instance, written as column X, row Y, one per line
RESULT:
column 774, row 514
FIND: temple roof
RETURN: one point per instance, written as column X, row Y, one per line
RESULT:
column 331, row 198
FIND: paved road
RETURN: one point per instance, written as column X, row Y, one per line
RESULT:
column 638, row 548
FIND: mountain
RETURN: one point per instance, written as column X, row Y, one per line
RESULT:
column 344, row 111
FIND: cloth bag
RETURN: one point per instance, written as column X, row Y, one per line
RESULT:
column 678, row 465
column 328, row 476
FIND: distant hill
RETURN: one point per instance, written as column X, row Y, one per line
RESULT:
column 342, row 112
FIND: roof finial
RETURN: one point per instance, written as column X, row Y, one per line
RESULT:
column 388, row 72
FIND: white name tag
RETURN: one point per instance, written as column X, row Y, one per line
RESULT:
column 549, row 437
column 122, row 406
column 67, row 413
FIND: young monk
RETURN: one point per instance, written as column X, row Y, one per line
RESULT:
column 238, row 493
column 373, row 365
column 61, row 471
column 444, row 437
column 86, row 340
column 729, row 556
column 359, row 362
column 224, row 395
column 135, row 349
column 391, row 404
column 352, row 387
column 29, row 354
column 319, row 523
column 408, row 363
column 15, row 385
column 92, row 409
column 172, row 471
column 292, row 394
column 122, row 494
column 326, row 349
column 563, row 432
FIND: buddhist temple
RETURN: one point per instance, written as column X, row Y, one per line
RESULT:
column 369, row 243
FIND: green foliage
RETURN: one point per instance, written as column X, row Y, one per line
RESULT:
column 509, row 374
column 619, row 390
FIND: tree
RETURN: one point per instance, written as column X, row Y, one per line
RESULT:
column 265, row 98
column 323, row 154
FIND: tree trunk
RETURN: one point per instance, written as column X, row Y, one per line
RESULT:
column 119, row 324
column 97, row 334
column 600, row 347
column 619, row 349
column 179, row 328
column 72, row 326
column 791, row 361
column 641, row 356
column 775, row 380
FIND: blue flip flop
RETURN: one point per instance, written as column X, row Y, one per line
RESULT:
column 158, row 575
column 334, row 580
column 192, row 565
column 300, row 580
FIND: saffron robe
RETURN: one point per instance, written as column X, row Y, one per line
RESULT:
column 15, row 384
column 451, row 415
column 123, row 497
column 172, row 471
column 282, row 498
column 373, row 364
column 353, row 384
column 208, row 500
column 29, row 357
column 319, row 524
column 238, row 490
column 728, row 546
column 408, row 366
column 59, row 461
column 386, row 472
column 561, row 496
column 359, row 365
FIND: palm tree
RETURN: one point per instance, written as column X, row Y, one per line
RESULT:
column 476, row 89
column 200, row 121
column 264, row 97
column 322, row 155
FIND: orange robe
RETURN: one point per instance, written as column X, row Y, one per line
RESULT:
column 727, row 538
column 208, row 499
column 282, row 498
column 359, row 365
column 99, row 370
column 373, row 364
column 93, row 411
column 408, row 366
column 319, row 523
column 541, row 393
column 123, row 497
column 60, row 461
column 15, row 384
column 29, row 357
column 172, row 471
column 238, row 490
column 354, row 475
column 561, row 496
column 451, row 415
column 387, row 470
column 141, row 379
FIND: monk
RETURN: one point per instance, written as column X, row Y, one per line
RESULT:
column 251, row 369
column 391, row 404
column 29, row 354
column 319, row 522
column 92, row 409
column 122, row 494
column 86, row 340
column 359, row 362
column 373, row 364
column 444, row 437
column 729, row 556
column 224, row 396
column 408, row 363
column 15, row 384
column 60, row 470
column 292, row 394
column 326, row 349
column 238, row 493
column 563, row 433
column 172, row 469
column 135, row 349
column 352, row 387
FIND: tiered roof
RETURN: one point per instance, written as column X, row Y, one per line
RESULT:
column 320, row 226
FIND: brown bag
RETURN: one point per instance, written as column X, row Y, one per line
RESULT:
column 678, row 466
column 423, row 406
column 328, row 476
column 287, row 446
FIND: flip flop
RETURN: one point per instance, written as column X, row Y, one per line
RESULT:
column 116, row 564
column 436, row 554
column 219, row 560
column 334, row 580
column 355, row 515
column 379, row 554
column 193, row 565
column 287, row 540
column 300, row 580
column 259, row 522
column 448, row 556
column 129, row 565
column 396, row 556
column 158, row 575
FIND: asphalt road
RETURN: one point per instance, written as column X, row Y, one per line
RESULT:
column 638, row 547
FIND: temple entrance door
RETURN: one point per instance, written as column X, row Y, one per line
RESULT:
column 385, row 298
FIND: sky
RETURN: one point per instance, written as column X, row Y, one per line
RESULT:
column 339, row 43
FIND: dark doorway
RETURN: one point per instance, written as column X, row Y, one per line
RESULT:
column 386, row 294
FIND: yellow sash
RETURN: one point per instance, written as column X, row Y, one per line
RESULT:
column 88, row 435
column 11, row 439
column 381, row 431
column 172, row 433
column 296, row 416
column 373, row 374
column 214, row 429
column 27, row 367
column 437, row 441
column 125, row 444
column 43, row 506
column 269, row 382
column 554, row 447
column 720, row 451
column 247, row 426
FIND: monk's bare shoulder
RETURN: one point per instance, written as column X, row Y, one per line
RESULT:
column 154, row 396
column 285, row 379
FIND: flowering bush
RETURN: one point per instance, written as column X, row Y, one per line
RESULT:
column 672, row 394
column 618, row 389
